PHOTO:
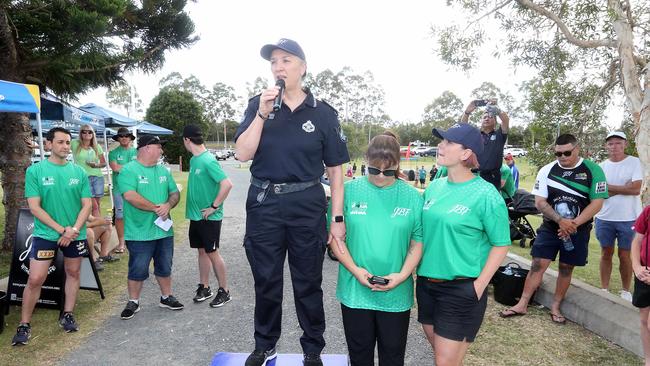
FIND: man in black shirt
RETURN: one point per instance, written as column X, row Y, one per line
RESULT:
column 493, row 139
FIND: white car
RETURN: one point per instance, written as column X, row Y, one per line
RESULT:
column 419, row 150
column 515, row 151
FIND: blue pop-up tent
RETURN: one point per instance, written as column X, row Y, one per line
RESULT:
column 113, row 119
column 147, row 128
column 22, row 98
column 57, row 113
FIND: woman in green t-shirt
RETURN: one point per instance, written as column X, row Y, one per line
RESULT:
column 88, row 154
column 466, row 237
column 383, row 246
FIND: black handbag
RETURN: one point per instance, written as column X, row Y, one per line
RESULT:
column 508, row 282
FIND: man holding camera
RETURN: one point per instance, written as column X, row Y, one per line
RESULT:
column 493, row 139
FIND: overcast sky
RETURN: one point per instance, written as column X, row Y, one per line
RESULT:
column 392, row 39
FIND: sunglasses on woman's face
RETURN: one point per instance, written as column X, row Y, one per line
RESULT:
column 386, row 173
column 86, row 132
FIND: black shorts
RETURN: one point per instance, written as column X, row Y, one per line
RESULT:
column 422, row 180
column 547, row 245
column 641, row 294
column 451, row 307
column 45, row 250
column 205, row 234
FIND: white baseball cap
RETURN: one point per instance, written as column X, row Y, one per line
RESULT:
column 618, row 134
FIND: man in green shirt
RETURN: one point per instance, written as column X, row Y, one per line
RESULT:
column 207, row 188
column 149, row 193
column 58, row 195
column 569, row 192
column 507, row 183
column 117, row 158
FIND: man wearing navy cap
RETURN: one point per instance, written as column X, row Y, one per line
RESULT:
column 286, row 205
column 490, row 160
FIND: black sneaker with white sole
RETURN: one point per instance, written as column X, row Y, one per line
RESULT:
column 170, row 303
column 68, row 323
column 312, row 359
column 260, row 358
column 202, row 293
column 222, row 298
column 23, row 334
column 129, row 311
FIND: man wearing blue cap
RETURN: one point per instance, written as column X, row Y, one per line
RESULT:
column 286, row 205
column 490, row 160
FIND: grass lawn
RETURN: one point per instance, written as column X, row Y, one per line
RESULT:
column 45, row 346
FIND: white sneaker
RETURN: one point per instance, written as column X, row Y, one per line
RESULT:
column 605, row 290
column 626, row 295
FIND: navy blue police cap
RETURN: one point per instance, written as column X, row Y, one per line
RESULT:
column 284, row 44
column 464, row 134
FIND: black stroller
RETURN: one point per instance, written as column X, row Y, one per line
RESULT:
column 522, row 204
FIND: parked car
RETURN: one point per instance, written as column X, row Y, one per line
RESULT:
column 431, row 151
column 515, row 151
column 220, row 155
column 403, row 151
column 420, row 149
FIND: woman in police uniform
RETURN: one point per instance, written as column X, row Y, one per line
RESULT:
column 286, row 203
column 384, row 238
column 465, row 237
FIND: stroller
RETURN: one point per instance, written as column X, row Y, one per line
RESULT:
column 522, row 204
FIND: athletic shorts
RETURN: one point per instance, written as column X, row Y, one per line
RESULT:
column 422, row 180
column 118, row 203
column 45, row 250
column 609, row 232
column 548, row 244
column 96, row 186
column 452, row 307
column 205, row 234
column 641, row 294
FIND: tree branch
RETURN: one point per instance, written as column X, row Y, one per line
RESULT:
column 117, row 64
column 612, row 80
column 488, row 14
column 570, row 37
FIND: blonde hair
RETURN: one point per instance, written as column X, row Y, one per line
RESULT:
column 93, row 141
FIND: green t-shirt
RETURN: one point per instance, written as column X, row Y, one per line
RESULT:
column 61, row 188
column 121, row 156
column 203, row 186
column 380, row 224
column 84, row 155
column 441, row 173
column 154, row 183
column 508, row 189
column 460, row 224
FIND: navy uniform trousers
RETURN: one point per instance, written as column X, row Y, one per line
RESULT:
column 276, row 224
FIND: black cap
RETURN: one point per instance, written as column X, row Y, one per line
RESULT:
column 123, row 131
column 464, row 134
column 149, row 140
column 192, row 131
column 284, row 44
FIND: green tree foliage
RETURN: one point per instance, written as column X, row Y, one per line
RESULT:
column 69, row 47
column 174, row 109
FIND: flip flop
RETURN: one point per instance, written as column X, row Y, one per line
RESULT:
column 509, row 313
column 558, row 319
column 119, row 250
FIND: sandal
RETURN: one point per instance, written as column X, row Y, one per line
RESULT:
column 118, row 250
column 109, row 258
column 510, row 312
column 558, row 319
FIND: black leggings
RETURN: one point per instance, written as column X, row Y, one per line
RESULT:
column 363, row 328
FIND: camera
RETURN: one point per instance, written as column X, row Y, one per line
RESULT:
column 480, row 102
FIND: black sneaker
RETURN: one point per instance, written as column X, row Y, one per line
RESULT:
column 222, row 298
column 99, row 266
column 129, row 310
column 170, row 303
column 23, row 333
column 312, row 359
column 68, row 323
column 203, row 293
column 260, row 358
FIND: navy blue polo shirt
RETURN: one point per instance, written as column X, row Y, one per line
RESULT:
column 294, row 145
column 492, row 156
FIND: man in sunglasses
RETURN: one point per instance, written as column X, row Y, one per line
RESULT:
column 149, row 193
column 117, row 158
column 568, row 192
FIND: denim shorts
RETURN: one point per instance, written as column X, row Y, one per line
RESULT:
column 96, row 186
column 547, row 245
column 141, row 253
column 118, row 205
column 620, row 231
column 45, row 250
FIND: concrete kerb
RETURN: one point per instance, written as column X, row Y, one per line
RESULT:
column 603, row 313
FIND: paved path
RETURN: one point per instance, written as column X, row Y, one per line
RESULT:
column 157, row 336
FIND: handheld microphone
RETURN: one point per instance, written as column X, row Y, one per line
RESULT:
column 277, row 103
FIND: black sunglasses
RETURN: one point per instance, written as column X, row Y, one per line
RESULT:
column 386, row 173
column 119, row 135
column 565, row 153
column 87, row 132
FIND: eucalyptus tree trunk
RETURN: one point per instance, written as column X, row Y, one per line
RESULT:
column 15, row 153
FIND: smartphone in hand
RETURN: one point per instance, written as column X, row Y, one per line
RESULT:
column 480, row 102
column 376, row 280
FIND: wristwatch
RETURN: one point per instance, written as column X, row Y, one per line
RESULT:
column 213, row 206
column 338, row 218
column 75, row 230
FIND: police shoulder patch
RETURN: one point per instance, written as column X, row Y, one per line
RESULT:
column 329, row 105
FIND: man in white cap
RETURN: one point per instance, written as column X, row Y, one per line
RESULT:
column 614, row 222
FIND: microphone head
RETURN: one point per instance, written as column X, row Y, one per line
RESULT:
column 280, row 83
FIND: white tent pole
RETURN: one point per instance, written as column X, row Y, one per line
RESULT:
column 110, row 176
column 40, row 135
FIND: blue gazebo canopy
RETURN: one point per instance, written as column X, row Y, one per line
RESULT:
column 15, row 97
column 147, row 128
column 113, row 119
column 57, row 113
